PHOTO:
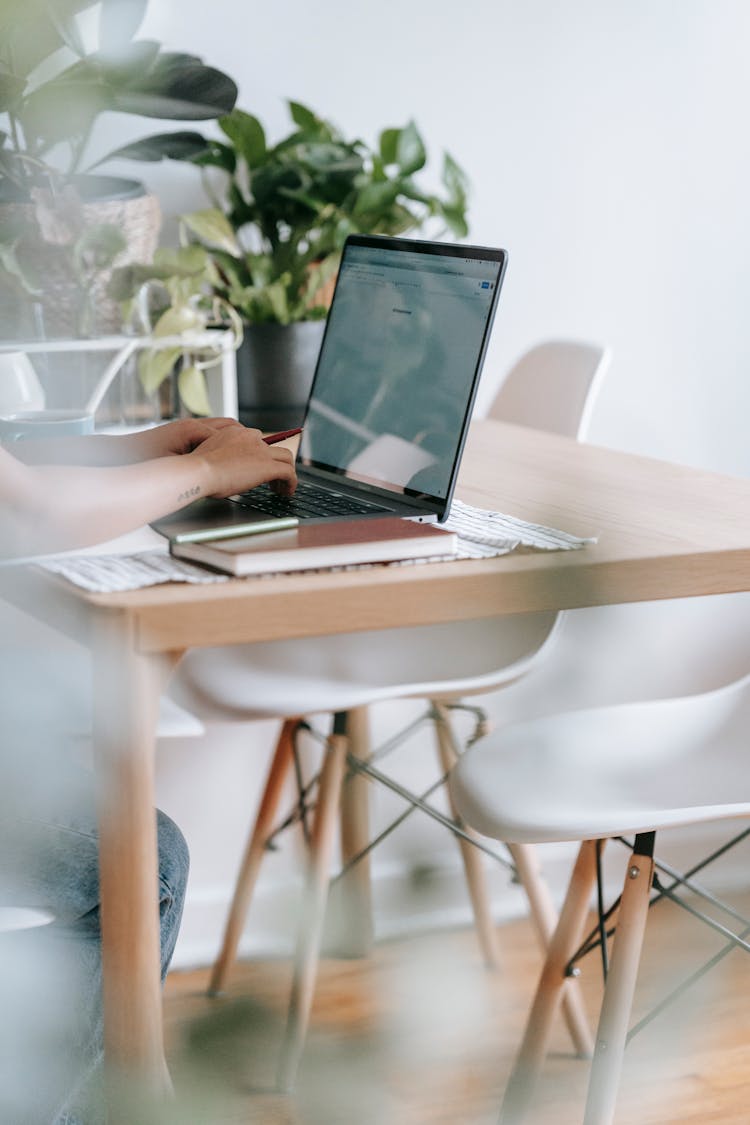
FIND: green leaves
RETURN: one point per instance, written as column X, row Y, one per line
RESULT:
column 182, row 261
column 181, row 272
column 13, row 273
column 295, row 202
column 63, row 109
column 212, row 227
column 389, row 145
column 304, row 117
column 246, row 134
column 454, row 210
column 190, row 147
column 155, row 365
column 455, row 180
column 404, row 148
column 411, row 154
column 191, row 384
column 375, row 198
column 32, row 30
column 11, row 88
column 300, row 198
column 177, row 87
column 178, row 319
column 123, row 74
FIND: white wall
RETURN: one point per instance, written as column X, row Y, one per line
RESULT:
column 609, row 152
column 608, row 148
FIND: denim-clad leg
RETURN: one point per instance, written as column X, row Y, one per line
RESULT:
column 50, row 977
column 56, row 868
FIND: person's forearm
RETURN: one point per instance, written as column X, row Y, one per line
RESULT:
column 91, row 449
column 120, row 449
column 55, row 508
column 60, row 508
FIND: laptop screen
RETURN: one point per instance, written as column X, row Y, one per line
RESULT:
column 400, row 361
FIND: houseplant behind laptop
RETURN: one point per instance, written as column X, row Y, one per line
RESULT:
column 274, row 236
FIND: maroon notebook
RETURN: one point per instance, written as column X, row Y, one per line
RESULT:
column 316, row 545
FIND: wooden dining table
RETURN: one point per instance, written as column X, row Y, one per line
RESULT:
column 661, row 531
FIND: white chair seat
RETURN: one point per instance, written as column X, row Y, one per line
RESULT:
column 587, row 776
column 609, row 771
column 338, row 673
column 176, row 722
column 22, row 918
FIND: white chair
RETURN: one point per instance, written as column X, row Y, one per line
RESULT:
column 343, row 675
column 550, row 387
column 592, row 775
column 22, row 918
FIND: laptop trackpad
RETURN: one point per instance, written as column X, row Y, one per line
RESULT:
column 206, row 515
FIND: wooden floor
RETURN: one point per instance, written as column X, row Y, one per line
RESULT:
column 422, row 1034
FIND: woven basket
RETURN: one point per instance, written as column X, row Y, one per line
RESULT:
column 135, row 213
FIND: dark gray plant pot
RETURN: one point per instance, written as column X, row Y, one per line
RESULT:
column 275, row 367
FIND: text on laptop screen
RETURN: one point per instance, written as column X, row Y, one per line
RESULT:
column 394, row 376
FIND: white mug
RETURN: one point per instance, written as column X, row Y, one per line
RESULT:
column 25, row 424
column 20, row 388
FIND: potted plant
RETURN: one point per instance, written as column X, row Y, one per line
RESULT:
column 274, row 236
column 61, row 224
column 175, row 299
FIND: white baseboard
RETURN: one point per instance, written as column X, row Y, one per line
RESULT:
column 408, row 900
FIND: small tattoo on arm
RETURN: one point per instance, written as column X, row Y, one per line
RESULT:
column 188, row 493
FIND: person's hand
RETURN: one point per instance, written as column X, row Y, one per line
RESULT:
column 235, row 459
column 173, row 438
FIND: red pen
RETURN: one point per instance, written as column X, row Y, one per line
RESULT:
column 273, row 438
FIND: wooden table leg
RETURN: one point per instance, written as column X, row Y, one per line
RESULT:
column 126, row 693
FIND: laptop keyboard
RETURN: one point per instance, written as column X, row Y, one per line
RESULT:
column 309, row 501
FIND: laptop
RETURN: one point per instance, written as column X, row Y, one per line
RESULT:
column 392, row 394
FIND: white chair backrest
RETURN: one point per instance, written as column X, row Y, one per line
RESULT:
column 553, row 387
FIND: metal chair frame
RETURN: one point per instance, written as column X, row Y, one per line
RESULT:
column 598, row 936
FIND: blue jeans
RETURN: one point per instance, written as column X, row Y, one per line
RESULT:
column 56, row 867
column 50, row 977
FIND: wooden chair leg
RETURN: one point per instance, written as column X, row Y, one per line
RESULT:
column 316, row 894
column 253, row 857
column 542, row 910
column 472, row 860
column 618, row 995
column 563, row 945
column 544, row 917
column 353, row 890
